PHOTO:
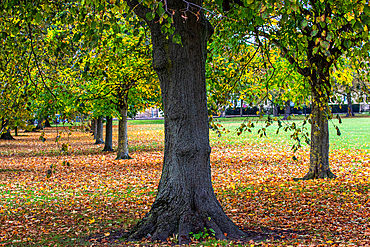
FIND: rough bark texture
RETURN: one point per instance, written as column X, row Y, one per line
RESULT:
column 287, row 110
column 185, row 201
column 108, row 135
column 122, row 150
column 99, row 131
column 350, row 107
column 319, row 152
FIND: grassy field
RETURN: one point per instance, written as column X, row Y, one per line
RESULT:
column 96, row 196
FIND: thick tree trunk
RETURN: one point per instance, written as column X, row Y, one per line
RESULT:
column 39, row 125
column 99, row 131
column 108, row 135
column 47, row 123
column 287, row 110
column 350, row 107
column 185, row 201
column 122, row 150
column 319, row 152
column 6, row 135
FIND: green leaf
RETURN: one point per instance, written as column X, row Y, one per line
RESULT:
column 314, row 32
column 304, row 24
column 177, row 39
column 38, row 17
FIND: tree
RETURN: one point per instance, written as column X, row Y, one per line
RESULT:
column 119, row 68
column 108, row 147
column 312, row 36
column 99, row 132
column 185, row 201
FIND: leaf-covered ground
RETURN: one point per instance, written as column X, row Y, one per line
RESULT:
column 95, row 195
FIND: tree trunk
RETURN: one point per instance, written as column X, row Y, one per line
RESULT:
column 319, row 151
column 185, row 201
column 275, row 110
column 108, row 135
column 6, row 135
column 94, row 125
column 261, row 112
column 39, row 125
column 16, row 130
column 122, row 150
column 349, row 102
column 99, row 131
column 286, row 110
column 241, row 108
column 47, row 123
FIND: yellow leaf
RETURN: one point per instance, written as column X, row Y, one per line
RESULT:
column 107, row 234
column 91, row 221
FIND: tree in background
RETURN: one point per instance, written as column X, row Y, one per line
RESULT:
column 312, row 36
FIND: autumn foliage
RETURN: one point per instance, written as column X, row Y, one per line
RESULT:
column 90, row 196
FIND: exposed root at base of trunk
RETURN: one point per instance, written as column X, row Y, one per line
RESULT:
column 99, row 141
column 161, row 225
column 108, row 149
column 322, row 174
column 6, row 137
column 123, row 157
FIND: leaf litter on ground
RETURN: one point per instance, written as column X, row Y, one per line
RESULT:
column 97, row 195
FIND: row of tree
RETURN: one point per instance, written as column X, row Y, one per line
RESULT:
column 94, row 56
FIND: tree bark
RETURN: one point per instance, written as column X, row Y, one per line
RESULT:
column 185, row 201
column 39, row 125
column 108, row 135
column 319, row 151
column 94, row 128
column 122, row 150
column 287, row 110
column 99, row 131
column 47, row 123
column 275, row 110
column 6, row 135
column 350, row 107
column 241, row 108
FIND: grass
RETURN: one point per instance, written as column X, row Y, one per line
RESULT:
column 252, row 178
column 354, row 132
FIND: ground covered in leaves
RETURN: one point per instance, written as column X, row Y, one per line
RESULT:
column 90, row 194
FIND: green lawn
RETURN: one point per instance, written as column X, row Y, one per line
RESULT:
column 355, row 133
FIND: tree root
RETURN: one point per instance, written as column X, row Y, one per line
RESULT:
column 121, row 156
column 312, row 175
column 7, row 136
column 162, row 224
column 99, row 141
column 107, row 149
